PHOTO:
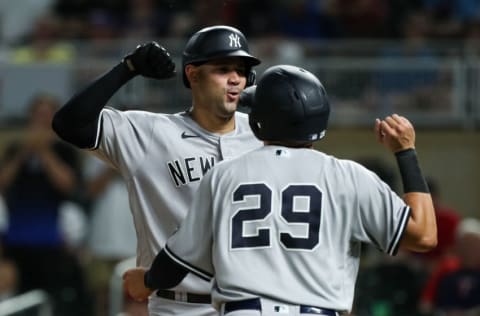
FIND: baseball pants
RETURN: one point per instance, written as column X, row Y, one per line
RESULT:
column 159, row 306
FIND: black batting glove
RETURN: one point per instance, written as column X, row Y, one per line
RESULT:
column 150, row 60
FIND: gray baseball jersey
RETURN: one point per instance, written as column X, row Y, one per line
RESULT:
column 287, row 224
column 162, row 157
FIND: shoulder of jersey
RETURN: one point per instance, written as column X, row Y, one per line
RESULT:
column 346, row 164
column 138, row 113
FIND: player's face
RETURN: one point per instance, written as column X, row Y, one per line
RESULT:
column 220, row 83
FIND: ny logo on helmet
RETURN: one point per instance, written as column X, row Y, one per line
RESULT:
column 234, row 40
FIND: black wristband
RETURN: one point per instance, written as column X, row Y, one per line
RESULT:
column 412, row 178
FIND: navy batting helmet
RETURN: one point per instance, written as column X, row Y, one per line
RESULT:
column 289, row 104
column 217, row 42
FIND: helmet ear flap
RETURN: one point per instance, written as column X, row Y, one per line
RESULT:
column 251, row 77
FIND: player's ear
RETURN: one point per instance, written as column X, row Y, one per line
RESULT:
column 191, row 73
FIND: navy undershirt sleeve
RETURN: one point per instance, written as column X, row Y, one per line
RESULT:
column 164, row 272
column 77, row 121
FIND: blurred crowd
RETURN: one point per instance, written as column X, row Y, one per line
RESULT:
column 442, row 282
column 82, row 19
column 56, row 31
column 65, row 219
column 26, row 21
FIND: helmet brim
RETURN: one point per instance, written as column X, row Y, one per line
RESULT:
column 249, row 59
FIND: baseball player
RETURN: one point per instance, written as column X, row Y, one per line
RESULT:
column 280, row 227
column 162, row 157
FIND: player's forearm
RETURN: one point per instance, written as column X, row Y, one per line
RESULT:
column 77, row 121
column 421, row 232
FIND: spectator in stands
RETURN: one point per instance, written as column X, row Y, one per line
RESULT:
column 413, row 85
column 145, row 20
column 44, row 45
column 447, row 222
column 398, row 296
column 103, row 28
column 305, row 19
column 252, row 16
column 458, row 292
column 471, row 36
column 8, row 279
column 38, row 173
column 8, row 270
column 397, row 13
column 362, row 18
column 73, row 15
column 112, row 235
column 450, row 17
column 207, row 12
column 442, row 259
column 18, row 18
column 374, row 296
column 430, row 288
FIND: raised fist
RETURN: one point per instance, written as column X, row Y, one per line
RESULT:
column 395, row 132
column 150, row 60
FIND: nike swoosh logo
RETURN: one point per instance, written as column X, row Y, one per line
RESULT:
column 185, row 135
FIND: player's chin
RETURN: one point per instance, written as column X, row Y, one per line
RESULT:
column 231, row 106
column 228, row 110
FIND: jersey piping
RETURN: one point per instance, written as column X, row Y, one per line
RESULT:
column 99, row 131
column 394, row 245
column 198, row 272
